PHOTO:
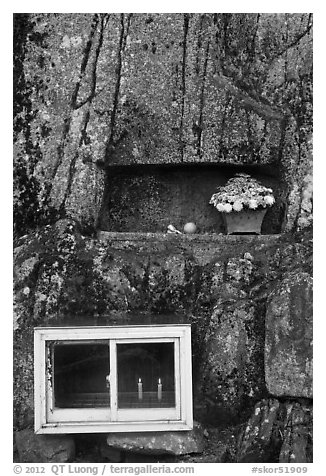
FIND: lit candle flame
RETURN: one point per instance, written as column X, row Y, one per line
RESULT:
column 140, row 389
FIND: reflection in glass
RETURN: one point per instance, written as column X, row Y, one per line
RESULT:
column 80, row 375
column 146, row 375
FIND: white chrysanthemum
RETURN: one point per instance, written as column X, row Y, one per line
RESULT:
column 242, row 190
column 269, row 200
column 227, row 208
column 237, row 206
column 253, row 204
column 220, row 207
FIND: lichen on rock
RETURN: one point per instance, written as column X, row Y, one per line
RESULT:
column 96, row 91
column 288, row 345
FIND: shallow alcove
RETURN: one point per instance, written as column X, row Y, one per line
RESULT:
column 147, row 198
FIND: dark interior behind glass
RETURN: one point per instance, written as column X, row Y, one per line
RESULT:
column 146, row 377
column 80, row 375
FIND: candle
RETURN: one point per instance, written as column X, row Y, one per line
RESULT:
column 159, row 390
column 140, row 389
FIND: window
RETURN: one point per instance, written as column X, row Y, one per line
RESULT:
column 102, row 379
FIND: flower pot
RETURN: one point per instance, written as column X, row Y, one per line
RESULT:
column 244, row 222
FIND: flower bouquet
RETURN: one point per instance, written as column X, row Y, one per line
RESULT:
column 242, row 193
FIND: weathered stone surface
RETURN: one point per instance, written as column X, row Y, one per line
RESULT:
column 297, row 443
column 233, row 373
column 221, row 283
column 261, row 439
column 160, row 88
column 44, row 448
column 220, row 448
column 97, row 90
column 172, row 442
column 288, row 345
column 277, row 432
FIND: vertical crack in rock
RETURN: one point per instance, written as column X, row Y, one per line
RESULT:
column 199, row 44
column 226, row 20
column 104, row 22
column 202, row 103
column 252, row 50
column 121, row 49
column 284, row 125
column 186, row 19
column 87, row 52
column 60, row 151
column 283, row 166
column 250, row 135
column 227, row 112
column 264, row 136
column 72, row 168
column 74, row 105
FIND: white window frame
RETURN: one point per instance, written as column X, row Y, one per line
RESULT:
column 49, row 419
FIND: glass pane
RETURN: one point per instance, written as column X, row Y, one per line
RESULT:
column 81, row 375
column 146, row 375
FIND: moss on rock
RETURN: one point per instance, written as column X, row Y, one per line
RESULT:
column 222, row 288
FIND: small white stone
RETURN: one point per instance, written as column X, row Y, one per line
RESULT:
column 190, row 228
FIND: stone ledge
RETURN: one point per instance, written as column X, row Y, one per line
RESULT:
column 205, row 237
column 160, row 443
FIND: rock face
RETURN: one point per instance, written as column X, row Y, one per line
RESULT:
column 94, row 90
column 297, row 442
column 221, row 283
column 44, row 448
column 277, row 432
column 233, row 369
column 261, row 440
column 288, row 343
column 160, row 443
